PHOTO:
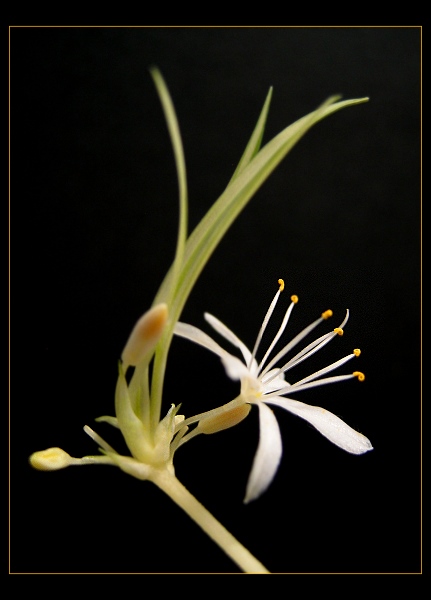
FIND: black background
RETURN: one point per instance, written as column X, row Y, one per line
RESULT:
column 93, row 212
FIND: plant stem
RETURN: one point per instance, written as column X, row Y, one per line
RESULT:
column 213, row 528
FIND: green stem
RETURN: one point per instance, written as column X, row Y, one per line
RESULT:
column 158, row 376
column 213, row 528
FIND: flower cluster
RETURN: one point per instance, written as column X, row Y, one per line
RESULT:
column 153, row 439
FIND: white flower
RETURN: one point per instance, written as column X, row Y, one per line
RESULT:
column 262, row 383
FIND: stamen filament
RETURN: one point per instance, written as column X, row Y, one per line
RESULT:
column 94, row 436
column 307, row 351
column 265, row 321
column 177, row 439
column 291, row 345
column 189, row 436
column 327, row 369
column 306, row 386
column 277, row 337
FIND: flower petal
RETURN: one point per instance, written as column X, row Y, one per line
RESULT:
column 192, row 333
column 268, row 455
column 229, row 336
column 329, row 425
column 276, row 383
column 234, row 367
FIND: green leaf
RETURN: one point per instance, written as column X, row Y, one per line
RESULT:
column 174, row 132
column 209, row 232
column 255, row 141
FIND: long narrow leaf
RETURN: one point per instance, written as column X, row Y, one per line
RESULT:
column 208, row 233
column 174, row 132
column 255, row 140
column 252, row 148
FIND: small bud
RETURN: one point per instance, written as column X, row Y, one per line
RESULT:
column 51, row 459
column 145, row 335
column 224, row 420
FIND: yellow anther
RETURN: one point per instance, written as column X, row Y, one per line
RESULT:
column 359, row 375
column 356, row 352
column 281, row 284
column 327, row 314
column 294, row 298
column 338, row 330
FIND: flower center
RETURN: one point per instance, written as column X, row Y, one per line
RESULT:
column 251, row 386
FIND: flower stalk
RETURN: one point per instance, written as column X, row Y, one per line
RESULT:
column 210, row 525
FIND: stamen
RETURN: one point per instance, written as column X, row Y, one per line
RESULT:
column 302, row 355
column 290, row 345
column 359, row 375
column 339, row 331
column 177, row 439
column 265, row 322
column 279, row 333
column 356, row 352
column 96, row 437
column 291, row 389
column 306, row 352
column 294, row 299
column 327, row 369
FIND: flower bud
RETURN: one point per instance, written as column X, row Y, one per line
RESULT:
column 224, row 419
column 145, row 335
column 51, row 459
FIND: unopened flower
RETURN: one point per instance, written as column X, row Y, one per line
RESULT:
column 263, row 383
column 145, row 335
column 150, row 446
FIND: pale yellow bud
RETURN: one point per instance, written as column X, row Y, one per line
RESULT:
column 51, row 459
column 224, row 419
column 145, row 335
